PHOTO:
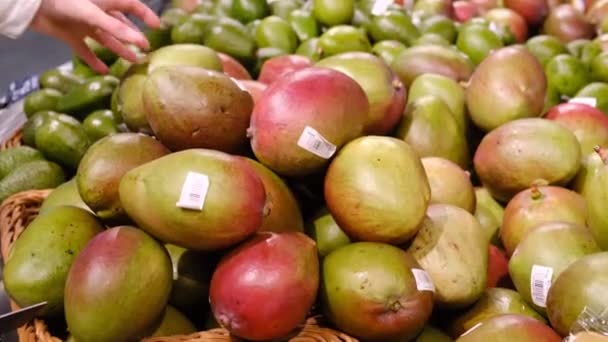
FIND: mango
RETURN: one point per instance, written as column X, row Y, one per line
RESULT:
column 150, row 194
column 231, row 37
column 40, row 259
column 510, row 327
column 64, row 194
column 326, row 232
column 174, row 323
column 276, row 32
column 343, row 38
column 117, row 287
column 489, row 213
column 333, row 13
column 388, row 50
column 393, row 25
column 449, row 183
column 190, row 107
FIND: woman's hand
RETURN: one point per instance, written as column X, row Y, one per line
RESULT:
column 102, row 20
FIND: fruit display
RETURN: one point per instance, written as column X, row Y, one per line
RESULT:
column 428, row 170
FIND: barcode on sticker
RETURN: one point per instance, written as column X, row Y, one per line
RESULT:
column 423, row 280
column 315, row 143
column 380, row 6
column 540, row 282
column 194, row 191
column 589, row 101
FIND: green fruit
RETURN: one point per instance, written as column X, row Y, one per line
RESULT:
column 282, row 8
column 599, row 67
column 450, row 184
column 510, row 84
column 248, row 10
column 567, row 75
column 477, row 42
column 304, row 24
column 494, row 302
column 426, row 125
column 432, row 39
column 173, row 16
column 174, row 323
column 360, row 17
column 192, row 273
column 434, row 59
column 575, row 47
column 264, row 54
column 40, row 259
column 310, row 48
column 427, row 8
column 276, row 32
column 121, row 66
column 61, row 80
column 130, row 103
column 431, row 334
column 452, row 247
column 159, row 37
column 440, row 25
column 100, row 124
column 489, row 213
column 599, row 91
column 393, row 25
column 589, row 166
column 129, row 301
column 41, row 100
column 343, row 38
column 12, row 158
column 252, row 27
column 222, row 8
column 226, row 220
column 545, row 47
column 32, row 125
column 590, row 52
column 105, row 54
column 181, row 54
column 231, row 37
column 81, row 69
column 105, row 163
column 333, row 13
column 326, row 233
column 446, row 89
column 569, row 243
column 62, row 140
column 369, row 291
column 64, row 195
column 192, row 30
column 95, row 93
column 35, row 175
column 388, row 50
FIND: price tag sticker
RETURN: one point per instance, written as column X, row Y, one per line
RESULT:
column 194, row 191
column 313, row 142
column 423, row 280
column 380, row 6
column 540, row 283
column 589, row 101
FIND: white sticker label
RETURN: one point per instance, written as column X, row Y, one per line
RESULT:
column 239, row 84
column 194, row 191
column 423, row 280
column 589, row 101
column 313, row 142
column 540, row 283
column 380, row 6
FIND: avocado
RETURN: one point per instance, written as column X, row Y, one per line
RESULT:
column 81, row 69
column 14, row 157
column 231, row 37
column 40, row 100
column 32, row 125
column 192, row 30
column 62, row 140
column 94, row 93
column 34, row 175
column 249, row 10
column 39, row 261
column 276, row 32
column 99, row 124
column 61, row 80
column 106, row 55
column 304, row 24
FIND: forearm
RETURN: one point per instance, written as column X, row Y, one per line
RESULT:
column 16, row 16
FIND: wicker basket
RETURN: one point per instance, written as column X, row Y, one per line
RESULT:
column 15, row 140
column 20, row 209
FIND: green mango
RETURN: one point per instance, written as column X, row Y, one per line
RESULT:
column 326, row 233
column 590, row 52
column 599, row 67
column 343, row 38
column 440, row 25
column 431, row 39
column 567, row 74
column 39, row 261
column 252, row 27
column 61, row 80
column 192, row 30
column 282, row 8
column 99, row 124
column 95, row 93
column 310, row 48
column 231, row 37
column 64, row 195
column 545, row 47
column 388, row 50
column 222, row 8
column 360, row 18
column 130, row 104
column 427, row 8
column 575, row 47
column 33, row 175
column 179, row 54
column 12, row 158
column 304, row 24
column 173, row 16
column 63, row 141
column 333, row 13
column 430, row 128
column 477, row 42
column 393, row 25
column 174, row 323
column 489, row 213
column 41, row 100
column 599, row 91
column 248, row 10
column 432, row 334
column 276, row 32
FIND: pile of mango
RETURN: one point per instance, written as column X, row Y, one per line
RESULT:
column 402, row 167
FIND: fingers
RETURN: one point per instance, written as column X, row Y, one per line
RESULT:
column 118, row 15
column 116, row 46
column 83, row 51
column 118, row 29
column 138, row 9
